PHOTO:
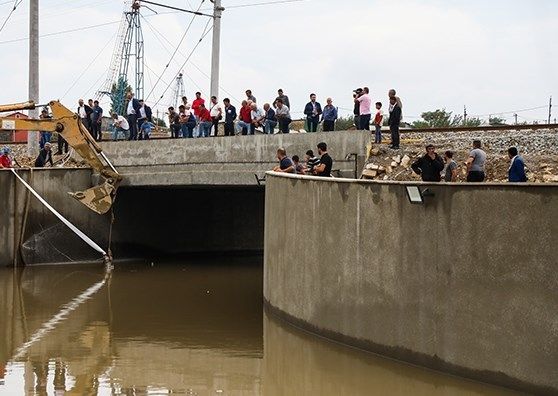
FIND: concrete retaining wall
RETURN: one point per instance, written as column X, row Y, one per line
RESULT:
column 224, row 160
column 57, row 243
column 465, row 283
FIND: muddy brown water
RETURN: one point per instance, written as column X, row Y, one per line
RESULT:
column 188, row 327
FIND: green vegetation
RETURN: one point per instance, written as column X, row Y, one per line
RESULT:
column 441, row 118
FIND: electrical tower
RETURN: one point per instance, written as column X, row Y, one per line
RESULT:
column 178, row 92
column 129, row 45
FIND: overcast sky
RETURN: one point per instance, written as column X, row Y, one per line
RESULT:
column 492, row 56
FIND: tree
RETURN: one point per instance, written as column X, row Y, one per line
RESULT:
column 118, row 94
column 441, row 118
column 159, row 122
column 472, row 122
column 493, row 121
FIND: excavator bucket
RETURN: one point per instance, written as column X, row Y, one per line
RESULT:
column 99, row 198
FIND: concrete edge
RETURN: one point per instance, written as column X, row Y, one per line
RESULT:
column 408, row 356
column 404, row 183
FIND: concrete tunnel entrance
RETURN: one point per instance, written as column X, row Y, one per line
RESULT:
column 169, row 221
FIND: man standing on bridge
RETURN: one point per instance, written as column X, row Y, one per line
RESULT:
column 313, row 110
column 394, row 122
column 132, row 111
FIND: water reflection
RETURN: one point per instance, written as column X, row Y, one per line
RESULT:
column 190, row 328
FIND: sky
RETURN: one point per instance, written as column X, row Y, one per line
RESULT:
column 492, row 56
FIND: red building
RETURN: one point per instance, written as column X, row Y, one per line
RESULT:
column 7, row 135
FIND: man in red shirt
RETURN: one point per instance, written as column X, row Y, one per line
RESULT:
column 205, row 121
column 196, row 107
column 5, row 160
column 244, row 124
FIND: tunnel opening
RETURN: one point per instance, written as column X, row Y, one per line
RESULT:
column 177, row 221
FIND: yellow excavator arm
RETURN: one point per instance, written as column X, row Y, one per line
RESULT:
column 68, row 125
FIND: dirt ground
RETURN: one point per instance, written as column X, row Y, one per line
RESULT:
column 538, row 148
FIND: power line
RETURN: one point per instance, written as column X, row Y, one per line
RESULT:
column 61, row 32
column 175, row 51
column 158, row 34
column 206, row 32
column 511, row 112
column 88, row 66
column 16, row 4
column 264, row 3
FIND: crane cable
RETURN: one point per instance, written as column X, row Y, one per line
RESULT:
column 175, row 51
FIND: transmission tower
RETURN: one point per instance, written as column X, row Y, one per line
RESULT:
column 178, row 92
column 129, row 45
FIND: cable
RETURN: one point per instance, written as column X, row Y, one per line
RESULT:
column 188, row 58
column 262, row 4
column 175, row 51
column 88, row 66
column 61, row 32
column 16, row 4
column 158, row 34
column 510, row 112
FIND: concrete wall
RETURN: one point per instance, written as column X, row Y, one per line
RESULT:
column 223, row 160
column 465, row 283
column 45, row 239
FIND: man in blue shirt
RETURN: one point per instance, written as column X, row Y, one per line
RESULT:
column 516, row 173
column 96, row 119
column 329, row 116
column 286, row 165
column 270, row 121
column 230, row 116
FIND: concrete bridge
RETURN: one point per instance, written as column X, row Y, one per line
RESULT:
column 225, row 161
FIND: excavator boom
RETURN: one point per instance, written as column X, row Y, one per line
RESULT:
column 68, row 125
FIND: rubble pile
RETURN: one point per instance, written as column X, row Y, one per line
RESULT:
column 19, row 153
column 538, row 148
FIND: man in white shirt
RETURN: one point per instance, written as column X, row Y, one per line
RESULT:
column 258, row 116
column 132, row 111
column 216, row 114
column 84, row 111
column 121, row 126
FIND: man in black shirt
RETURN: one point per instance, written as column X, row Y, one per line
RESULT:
column 45, row 157
column 429, row 166
column 326, row 163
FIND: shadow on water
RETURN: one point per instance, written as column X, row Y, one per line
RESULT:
column 192, row 327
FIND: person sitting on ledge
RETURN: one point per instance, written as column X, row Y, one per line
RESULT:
column 326, row 163
column 285, row 163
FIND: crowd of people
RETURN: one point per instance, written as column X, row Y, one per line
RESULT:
column 433, row 168
column 201, row 119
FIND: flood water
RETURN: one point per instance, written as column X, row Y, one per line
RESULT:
column 188, row 327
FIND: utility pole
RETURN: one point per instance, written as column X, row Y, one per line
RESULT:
column 515, row 116
column 216, row 52
column 33, row 136
column 550, row 110
column 464, row 115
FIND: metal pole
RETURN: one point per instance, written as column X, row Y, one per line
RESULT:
column 550, row 110
column 217, row 11
column 33, row 136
